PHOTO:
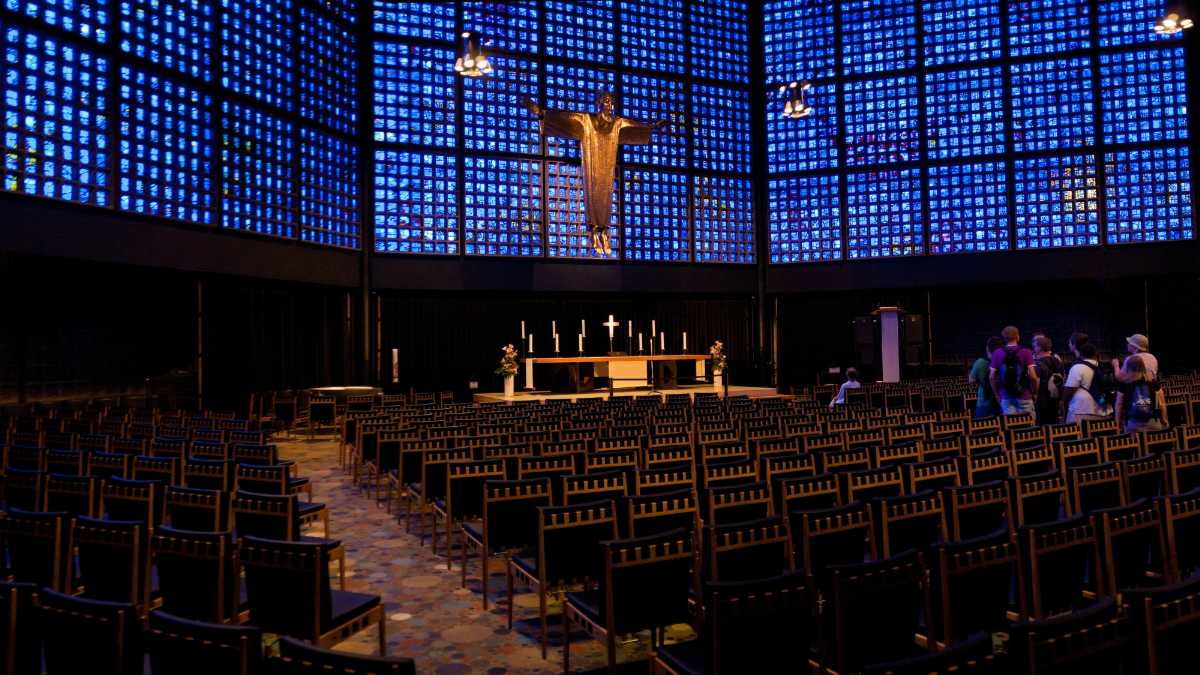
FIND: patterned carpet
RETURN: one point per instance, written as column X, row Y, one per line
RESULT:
column 430, row 617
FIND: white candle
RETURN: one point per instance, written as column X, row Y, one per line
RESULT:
column 653, row 328
column 554, row 327
column 522, row 330
column 662, row 342
column 685, row 342
column 631, row 329
column 530, row 350
column 639, row 342
column 583, row 327
column 556, row 343
column 581, row 342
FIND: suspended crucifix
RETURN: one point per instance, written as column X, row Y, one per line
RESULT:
column 600, row 134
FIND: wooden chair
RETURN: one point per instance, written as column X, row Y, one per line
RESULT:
column 972, row 656
column 509, row 517
column 1158, row 442
column 809, row 493
column 666, row 479
column 1100, row 428
column 198, row 574
column 566, row 549
column 898, row 454
column 1092, row 640
column 1037, row 499
column 646, row 515
column 196, row 509
column 1169, row 619
column 931, row 475
column 300, row 658
column 89, row 636
column 1077, row 453
column 66, row 462
column 844, row 535
column 166, row 471
column 1097, row 486
column 877, row 609
column 1060, row 566
column 114, row 561
column 1181, row 525
column 591, row 487
column 24, row 489
column 1183, row 470
column 20, row 648
column 38, row 547
column 975, row 578
column 287, row 583
column 914, row 522
column 1144, row 477
column 750, row 627
column 210, row 474
column 985, row 467
column 977, row 510
column 1132, row 552
column 271, row 479
column 865, row 485
column 755, row 549
column 1033, row 461
column 837, row 461
column 644, row 586
column 1120, row 447
column 738, row 503
column 75, row 495
column 274, row 516
column 945, row 447
column 547, row 467
column 131, row 500
column 186, row 647
column 463, row 498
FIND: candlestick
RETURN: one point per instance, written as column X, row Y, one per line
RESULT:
column 522, row 330
column 685, row 342
column 530, row 350
column 631, row 329
column 583, row 327
column 581, row 343
column 639, row 343
column 556, row 343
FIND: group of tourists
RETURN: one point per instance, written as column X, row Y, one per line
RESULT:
column 1013, row 380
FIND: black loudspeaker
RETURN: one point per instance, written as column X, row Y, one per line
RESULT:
column 914, row 329
column 864, row 331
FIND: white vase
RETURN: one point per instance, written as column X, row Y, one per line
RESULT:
column 718, row 380
column 509, row 385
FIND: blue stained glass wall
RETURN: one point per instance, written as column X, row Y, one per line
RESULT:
column 256, row 162
column 328, row 72
column 328, row 189
column 166, row 148
column 656, row 216
column 650, row 35
column 493, row 118
column 415, row 197
column 427, row 20
column 805, row 222
column 502, row 206
column 719, row 40
column 648, row 99
column 723, row 217
column 998, row 122
column 573, row 88
column 580, row 30
column 176, row 34
column 256, row 50
column 56, row 122
column 721, row 125
column 414, row 98
column 512, row 26
column 85, row 18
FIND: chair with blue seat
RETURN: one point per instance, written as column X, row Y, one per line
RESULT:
column 24, row 489
column 273, row 516
column 197, row 509
column 37, row 546
column 131, row 500
column 462, row 499
column 287, row 584
column 210, row 474
column 1168, row 620
column 750, row 550
column 644, row 586
column 114, row 560
column 974, row 579
column 89, row 636
column 972, row 656
column 198, row 574
column 1132, row 549
column 749, row 627
column 568, row 546
column 1060, row 566
column 300, row 658
column 186, row 647
column 1093, row 640
column 76, row 495
column 839, row 536
column 509, row 523
column 20, row 652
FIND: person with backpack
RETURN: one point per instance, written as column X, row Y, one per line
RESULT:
column 1138, row 345
column 986, row 404
column 1013, row 375
column 1141, row 404
column 1089, row 388
column 1050, row 380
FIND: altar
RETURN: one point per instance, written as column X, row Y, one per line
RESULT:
column 576, row 374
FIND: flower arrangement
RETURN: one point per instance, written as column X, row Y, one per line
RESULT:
column 508, row 362
column 717, row 352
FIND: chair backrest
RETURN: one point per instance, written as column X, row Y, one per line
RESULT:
column 114, row 560
column 287, row 584
column 985, row 467
column 75, row 495
column 266, row 516
column 132, row 500
column 24, row 489
column 164, row 470
column 1082, row 452
column 1144, row 477
column 1181, row 524
column 669, row 478
column 839, row 536
column 185, row 647
column 809, row 493
column 877, row 608
column 836, row 461
column 1169, row 618
column 1032, row 461
column 38, row 547
column 20, row 650
column 1039, row 498
column 209, row 474
column 1158, row 442
column 1096, row 486
column 754, row 625
column 569, row 538
column 646, row 515
column 510, row 512
column 27, row 458
column 1059, row 563
column 977, row 510
column 931, row 475
column 912, row 522
column 197, row 573
column 1091, row 640
column 1183, row 470
column 750, row 550
column 1100, row 428
column 975, row 579
column 297, row 657
column 868, row 484
column 590, row 487
column 89, row 636
column 464, row 486
column 1131, row 545
column 646, row 581
column 1120, row 447
column 972, row 656
column 202, row 448
column 197, row 509
column 547, row 467
column 66, row 462
column 263, row 479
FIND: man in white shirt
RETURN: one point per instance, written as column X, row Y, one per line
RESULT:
column 850, row 383
column 1077, row 388
column 1138, row 344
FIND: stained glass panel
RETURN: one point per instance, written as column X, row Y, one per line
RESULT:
column 656, row 218
column 884, row 214
column 328, row 189
column 256, row 162
column 1148, row 195
column 723, row 219
column 1056, row 201
column 805, row 219
column 968, row 208
column 416, row 203
column 502, row 207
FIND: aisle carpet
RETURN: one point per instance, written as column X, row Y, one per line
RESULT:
column 430, row 617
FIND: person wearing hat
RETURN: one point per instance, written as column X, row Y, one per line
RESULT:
column 1137, row 345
